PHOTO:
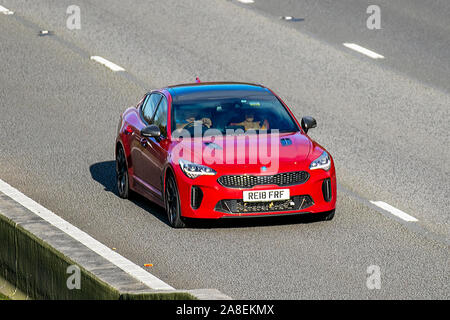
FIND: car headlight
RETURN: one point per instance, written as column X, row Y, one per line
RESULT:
column 322, row 162
column 193, row 170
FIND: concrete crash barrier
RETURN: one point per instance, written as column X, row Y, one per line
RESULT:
column 46, row 263
column 40, row 271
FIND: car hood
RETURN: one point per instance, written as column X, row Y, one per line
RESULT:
column 249, row 154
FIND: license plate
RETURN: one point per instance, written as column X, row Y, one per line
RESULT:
column 266, row 195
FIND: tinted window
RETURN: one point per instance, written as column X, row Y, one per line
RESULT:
column 160, row 118
column 149, row 106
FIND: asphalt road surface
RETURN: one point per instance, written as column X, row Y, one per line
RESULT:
column 385, row 121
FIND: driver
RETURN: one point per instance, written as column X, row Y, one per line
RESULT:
column 250, row 124
column 191, row 117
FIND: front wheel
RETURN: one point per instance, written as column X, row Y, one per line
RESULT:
column 172, row 201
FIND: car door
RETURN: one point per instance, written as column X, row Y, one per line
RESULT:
column 155, row 149
column 139, row 153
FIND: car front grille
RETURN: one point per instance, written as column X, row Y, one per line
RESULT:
column 249, row 181
column 238, row 206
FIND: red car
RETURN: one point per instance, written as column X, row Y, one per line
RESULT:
column 223, row 149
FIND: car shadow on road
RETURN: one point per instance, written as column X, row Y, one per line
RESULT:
column 104, row 173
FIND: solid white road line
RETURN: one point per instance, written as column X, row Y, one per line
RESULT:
column 114, row 67
column 363, row 50
column 5, row 11
column 246, row 1
column 394, row 211
column 79, row 235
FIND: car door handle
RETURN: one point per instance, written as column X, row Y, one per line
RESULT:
column 143, row 142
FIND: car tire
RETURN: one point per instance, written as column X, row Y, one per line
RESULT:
column 172, row 203
column 122, row 178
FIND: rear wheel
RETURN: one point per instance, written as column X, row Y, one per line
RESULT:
column 122, row 180
column 172, row 201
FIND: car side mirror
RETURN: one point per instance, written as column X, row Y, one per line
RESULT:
column 151, row 131
column 308, row 123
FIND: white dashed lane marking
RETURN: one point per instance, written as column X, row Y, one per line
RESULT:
column 396, row 212
column 114, row 67
column 5, row 11
column 363, row 50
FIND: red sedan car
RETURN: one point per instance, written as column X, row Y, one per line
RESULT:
column 218, row 150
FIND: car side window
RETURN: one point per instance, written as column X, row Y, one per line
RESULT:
column 149, row 107
column 160, row 118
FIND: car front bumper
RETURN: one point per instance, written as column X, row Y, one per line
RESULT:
column 204, row 197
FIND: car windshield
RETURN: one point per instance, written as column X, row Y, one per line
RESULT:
column 230, row 112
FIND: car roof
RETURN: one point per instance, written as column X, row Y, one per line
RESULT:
column 189, row 88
